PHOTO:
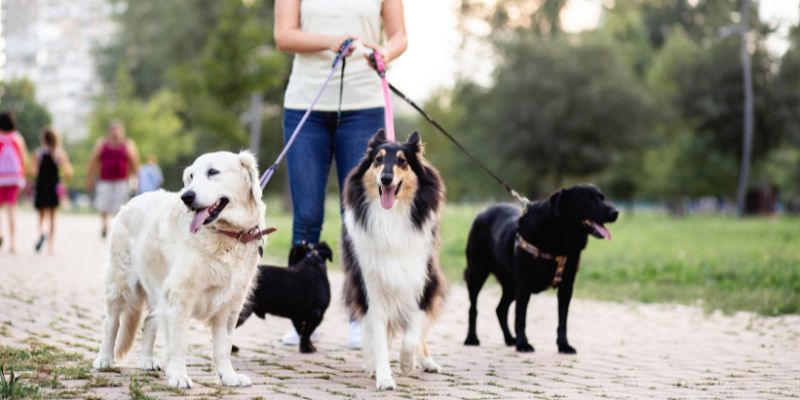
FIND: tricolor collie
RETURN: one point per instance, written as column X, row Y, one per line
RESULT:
column 390, row 253
column 177, row 256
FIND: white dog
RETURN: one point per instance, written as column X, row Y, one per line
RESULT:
column 184, row 255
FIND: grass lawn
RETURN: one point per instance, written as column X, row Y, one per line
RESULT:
column 716, row 261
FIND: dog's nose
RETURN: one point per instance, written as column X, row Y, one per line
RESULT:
column 614, row 215
column 386, row 179
column 188, row 197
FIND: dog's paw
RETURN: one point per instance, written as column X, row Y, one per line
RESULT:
column 385, row 383
column 510, row 340
column 472, row 341
column 307, row 348
column 428, row 365
column 235, row 380
column 103, row 362
column 150, row 364
column 234, row 349
column 180, row 381
column 407, row 362
column 525, row 348
column 565, row 348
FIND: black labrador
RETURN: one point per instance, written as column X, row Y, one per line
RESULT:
column 532, row 251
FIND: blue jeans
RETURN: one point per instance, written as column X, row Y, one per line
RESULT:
column 309, row 160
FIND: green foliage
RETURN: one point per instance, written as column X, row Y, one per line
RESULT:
column 565, row 108
column 649, row 104
column 19, row 97
column 154, row 37
column 14, row 388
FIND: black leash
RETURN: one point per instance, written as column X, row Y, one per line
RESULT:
column 341, row 93
column 522, row 199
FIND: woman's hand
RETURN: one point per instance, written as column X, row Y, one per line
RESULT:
column 337, row 41
column 381, row 50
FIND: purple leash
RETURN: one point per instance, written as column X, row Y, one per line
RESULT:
column 343, row 49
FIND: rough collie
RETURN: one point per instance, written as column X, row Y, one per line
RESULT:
column 390, row 253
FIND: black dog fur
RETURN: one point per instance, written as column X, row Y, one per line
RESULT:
column 300, row 292
column 555, row 226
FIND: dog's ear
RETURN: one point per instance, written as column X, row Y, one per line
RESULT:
column 554, row 203
column 186, row 172
column 325, row 251
column 377, row 139
column 414, row 141
column 250, row 165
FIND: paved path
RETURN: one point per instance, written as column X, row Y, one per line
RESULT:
column 624, row 350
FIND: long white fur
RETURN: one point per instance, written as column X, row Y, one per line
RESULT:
column 155, row 262
column 393, row 255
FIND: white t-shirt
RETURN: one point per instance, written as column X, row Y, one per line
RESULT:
column 362, row 87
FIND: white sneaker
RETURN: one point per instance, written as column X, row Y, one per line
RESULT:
column 292, row 338
column 354, row 335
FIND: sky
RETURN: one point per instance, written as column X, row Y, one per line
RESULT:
column 431, row 60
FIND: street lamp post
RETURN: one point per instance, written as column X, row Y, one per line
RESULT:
column 747, row 78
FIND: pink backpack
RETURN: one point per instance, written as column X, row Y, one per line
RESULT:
column 12, row 172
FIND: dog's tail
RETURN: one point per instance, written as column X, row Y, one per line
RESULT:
column 129, row 324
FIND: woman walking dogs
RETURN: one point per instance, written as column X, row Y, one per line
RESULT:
column 347, row 114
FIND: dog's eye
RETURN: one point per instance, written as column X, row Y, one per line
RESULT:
column 401, row 162
column 378, row 159
column 191, row 176
column 212, row 172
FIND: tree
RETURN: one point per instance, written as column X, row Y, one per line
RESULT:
column 155, row 36
column 565, row 108
column 19, row 97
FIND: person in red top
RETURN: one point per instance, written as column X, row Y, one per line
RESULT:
column 13, row 158
column 114, row 159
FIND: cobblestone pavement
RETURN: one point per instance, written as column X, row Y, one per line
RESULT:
column 625, row 350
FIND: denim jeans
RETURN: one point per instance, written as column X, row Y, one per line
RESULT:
column 322, row 139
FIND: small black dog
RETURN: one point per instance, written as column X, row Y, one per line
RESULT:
column 300, row 292
column 532, row 252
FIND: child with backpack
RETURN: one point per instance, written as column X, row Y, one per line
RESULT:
column 13, row 158
column 51, row 161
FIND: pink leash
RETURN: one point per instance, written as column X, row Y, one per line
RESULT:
column 388, row 116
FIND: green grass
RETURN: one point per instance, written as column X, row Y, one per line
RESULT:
column 724, row 262
column 41, row 366
column 716, row 261
column 14, row 387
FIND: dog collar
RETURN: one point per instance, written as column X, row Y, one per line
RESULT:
column 248, row 236
column 561, row 261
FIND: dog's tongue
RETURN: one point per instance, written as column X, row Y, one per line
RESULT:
column 605, row 233
column 197, row 220
column 387, row 197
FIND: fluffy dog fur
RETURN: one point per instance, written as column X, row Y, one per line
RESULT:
column 559, row 226
column 390, row 253
column 300, row 292
column 156, row 264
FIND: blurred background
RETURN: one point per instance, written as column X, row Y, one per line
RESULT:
column 645, row 98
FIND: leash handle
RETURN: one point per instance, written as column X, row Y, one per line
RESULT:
column 380, row 66
column 343, row 49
